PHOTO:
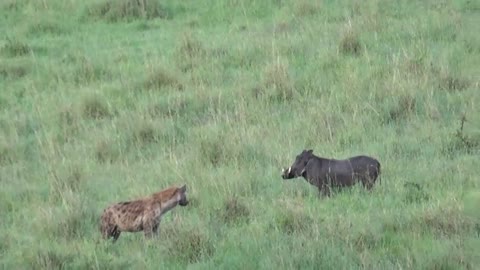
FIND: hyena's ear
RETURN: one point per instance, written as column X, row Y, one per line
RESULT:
column 183, row 188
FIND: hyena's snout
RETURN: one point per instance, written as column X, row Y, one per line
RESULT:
column 183, row 201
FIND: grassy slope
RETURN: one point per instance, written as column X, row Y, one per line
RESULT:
column 220, row 95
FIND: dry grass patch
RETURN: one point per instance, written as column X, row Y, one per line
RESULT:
column 106, row 151
column 350, row 41
column 8, row 153
column 234, row 211
column 452, row 83
column 128, row 10
column 15, row 47
column 144, row 133
column 403, row 108
column 189, row 246
column 159, row 78
column 292, row 219
column 69, row 123
column 13, row 71
column 277, row 83
column 306, row 8
column 460, row 141
column 189, row 52
column 49, row 259
column 95, row 107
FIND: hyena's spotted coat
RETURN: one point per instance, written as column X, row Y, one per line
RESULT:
column 142, row 214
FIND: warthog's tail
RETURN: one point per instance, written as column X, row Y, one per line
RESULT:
column 379, row 173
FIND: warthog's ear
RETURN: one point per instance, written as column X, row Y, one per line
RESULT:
column 183, row 188
column 310, row 151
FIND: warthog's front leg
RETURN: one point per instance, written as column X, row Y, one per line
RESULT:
column 367, row 182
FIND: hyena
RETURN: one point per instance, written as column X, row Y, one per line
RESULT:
column 142, row 214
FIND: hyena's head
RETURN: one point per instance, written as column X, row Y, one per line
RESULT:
column 182, row 195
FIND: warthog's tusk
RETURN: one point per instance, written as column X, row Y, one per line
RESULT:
column 289, row 169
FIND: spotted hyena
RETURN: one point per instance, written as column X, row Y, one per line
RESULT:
column 142, row 214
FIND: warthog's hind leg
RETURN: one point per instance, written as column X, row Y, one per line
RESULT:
column 324, row 190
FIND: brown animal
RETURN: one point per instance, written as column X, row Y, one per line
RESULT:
column 142, row 214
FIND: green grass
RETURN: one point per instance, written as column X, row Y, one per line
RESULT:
column 105, row 101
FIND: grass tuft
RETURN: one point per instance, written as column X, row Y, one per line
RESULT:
column 189, row 52
column 447, row 221
column 50, row 259
column 15, row 47
column 234, row 211
column 405, row 106
column 306, row 8
column 106, row 151
column 69, row 178
column 179, row 107
column 460, row 142
column 293, row 220
column 8, row 153
column 128, row 10
column 213, row 150
column 366, row 240
column 47, row 26
column 13, row 71
column 189, row 246
column 350, row 42
column 414, row 193
column 278, row 84
column 144, row 133
column 69, row 123
column 95, row 107
column 453, row 83
column 161, row 78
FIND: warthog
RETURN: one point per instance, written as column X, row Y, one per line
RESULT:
column 326, row 173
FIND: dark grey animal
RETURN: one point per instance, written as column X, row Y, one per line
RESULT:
column 326, row 173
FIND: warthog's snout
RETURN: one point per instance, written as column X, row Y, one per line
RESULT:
column 286, row 173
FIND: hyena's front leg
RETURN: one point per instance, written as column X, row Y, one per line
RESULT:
column 108, row 227
column 115, row 234
column 150, row 228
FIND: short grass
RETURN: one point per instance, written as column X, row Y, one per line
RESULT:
column 104, row 101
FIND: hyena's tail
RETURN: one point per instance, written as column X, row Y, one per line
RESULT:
column 105, row 224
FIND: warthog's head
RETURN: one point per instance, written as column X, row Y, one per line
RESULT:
column 298, row 167
column 182, row 196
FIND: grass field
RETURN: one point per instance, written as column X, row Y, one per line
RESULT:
column 105, row 101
